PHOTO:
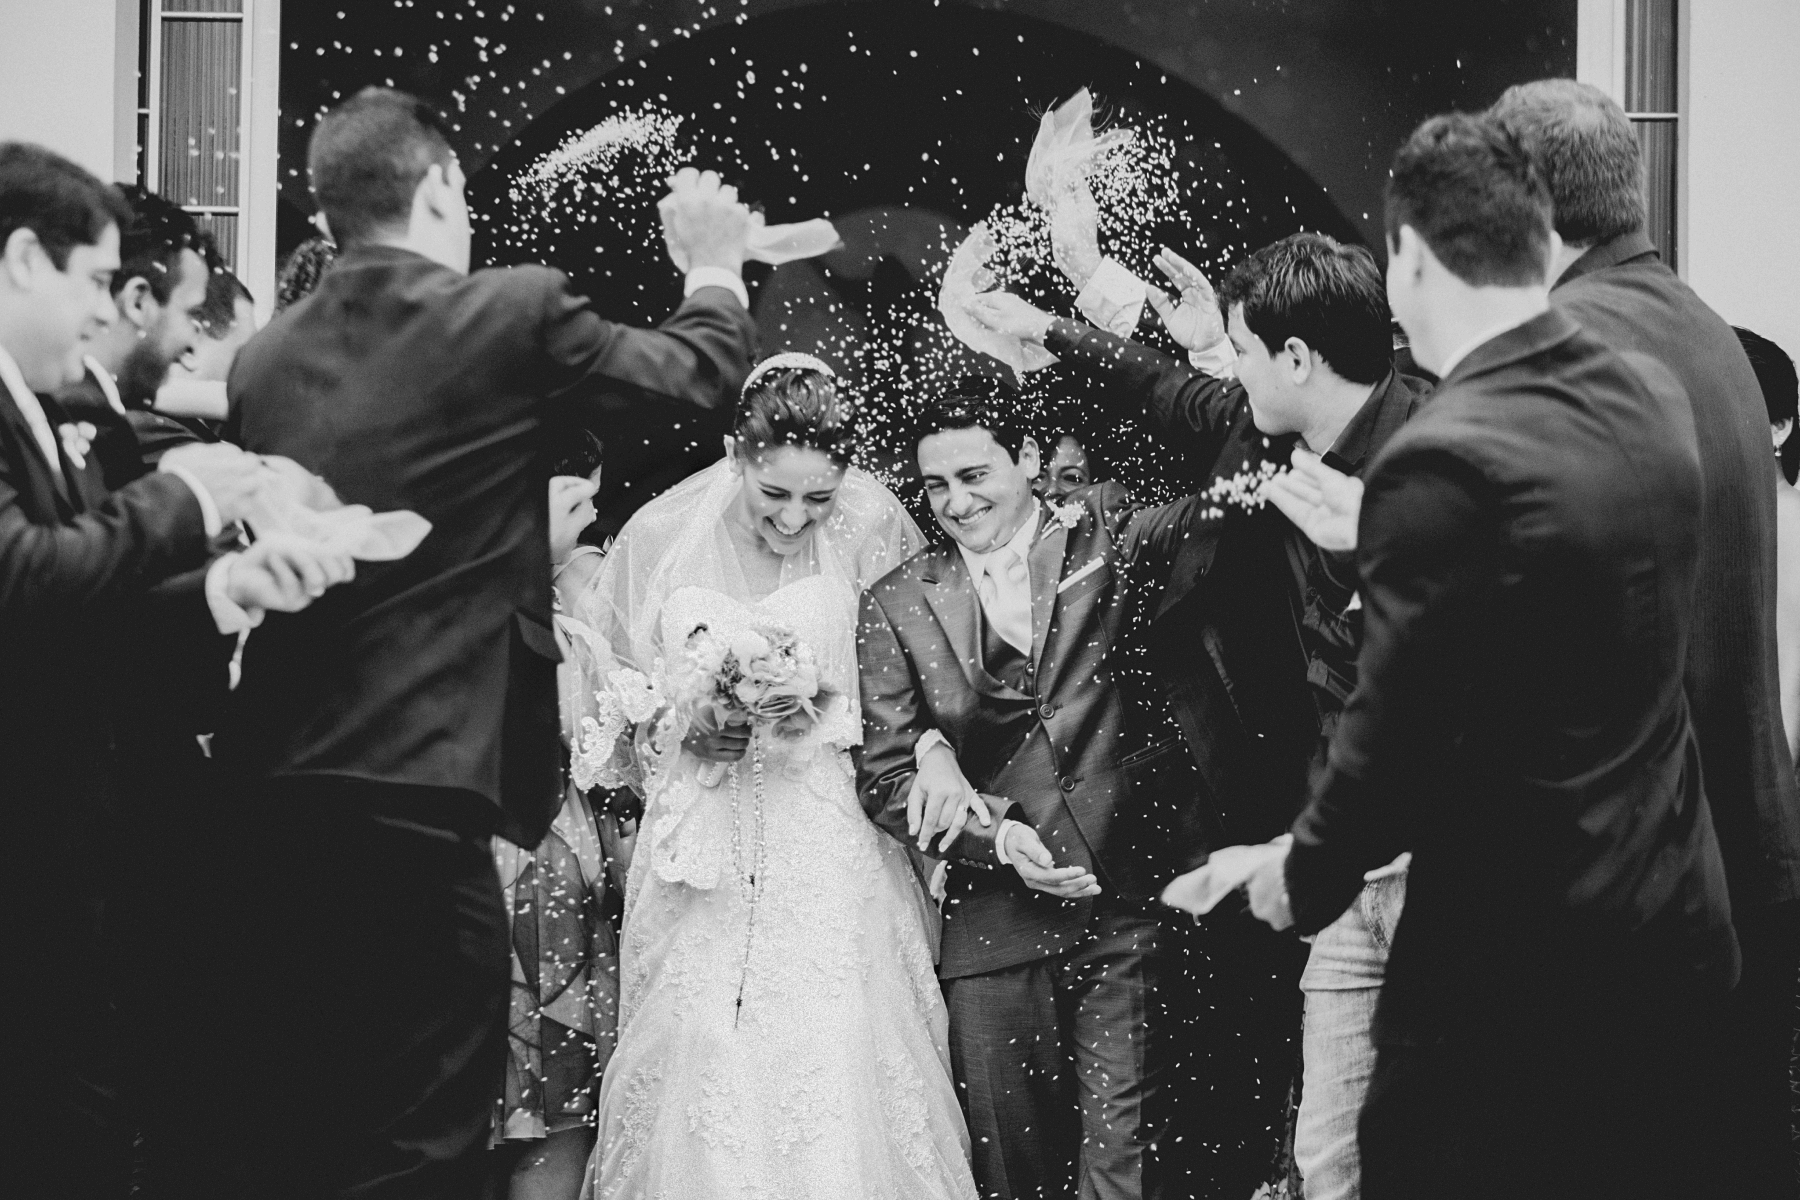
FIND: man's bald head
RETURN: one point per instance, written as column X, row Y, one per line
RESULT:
column 1587, row 152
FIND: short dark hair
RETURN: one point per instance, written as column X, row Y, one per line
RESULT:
column 1780, row 391
column 1469, row 189
column 974, row 402
column 796, row 406
column 1053, row 438
column 1329, row 295
column 58, row 201
column 1587, row 152
column 152, row 242
column 223, row 292
column 304, row 268
column 367, row 157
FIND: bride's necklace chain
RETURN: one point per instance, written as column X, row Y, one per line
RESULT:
column 750, row 882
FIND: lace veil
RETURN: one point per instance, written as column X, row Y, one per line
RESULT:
column 681, row 539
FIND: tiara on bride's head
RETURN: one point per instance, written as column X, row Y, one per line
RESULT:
column 788, row 360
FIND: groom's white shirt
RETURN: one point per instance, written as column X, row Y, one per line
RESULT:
column 1011, row 596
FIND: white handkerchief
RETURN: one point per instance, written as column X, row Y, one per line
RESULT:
column 1200, row 890
column 965, row 277
column 1113, row 298
column 778, row 244
column 1070, row 579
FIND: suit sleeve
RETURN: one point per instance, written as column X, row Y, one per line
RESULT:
column 699, row 356
column 893, row 723
column 1189, row 411
column 138, row 536
column 1428, row 562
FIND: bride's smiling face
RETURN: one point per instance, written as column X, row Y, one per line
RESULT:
column 787, row 490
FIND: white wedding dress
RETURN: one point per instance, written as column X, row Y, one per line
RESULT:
column 781, row 1031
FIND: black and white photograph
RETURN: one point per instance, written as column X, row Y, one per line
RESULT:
column 900, row 599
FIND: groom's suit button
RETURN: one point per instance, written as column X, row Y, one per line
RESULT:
column 1068, row 784
column 1047, row 711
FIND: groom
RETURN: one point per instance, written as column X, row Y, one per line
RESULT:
column 987, row 664
column 381, row 742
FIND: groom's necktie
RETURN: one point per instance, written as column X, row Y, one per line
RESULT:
column 1005, row 591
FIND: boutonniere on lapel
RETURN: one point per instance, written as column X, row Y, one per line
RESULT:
column 77, row 439
column 1066, row 515
column 1247, row 490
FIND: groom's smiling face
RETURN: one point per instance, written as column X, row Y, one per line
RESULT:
column 979, row 493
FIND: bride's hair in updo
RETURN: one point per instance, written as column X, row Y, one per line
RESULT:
column 794, row 400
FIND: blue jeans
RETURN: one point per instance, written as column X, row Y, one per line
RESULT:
column 1342, row 982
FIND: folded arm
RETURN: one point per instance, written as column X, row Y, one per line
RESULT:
column 145, row 532
column 893, row 722
column 1428, row 559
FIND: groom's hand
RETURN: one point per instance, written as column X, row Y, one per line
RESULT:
column 941, row 800
column 1035, row 866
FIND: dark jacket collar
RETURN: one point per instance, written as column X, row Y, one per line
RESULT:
column 1386, row 409
column 1521, row 341
column 1624, row 248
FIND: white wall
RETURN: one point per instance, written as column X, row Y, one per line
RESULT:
column 1742, row 125
column 59, row 79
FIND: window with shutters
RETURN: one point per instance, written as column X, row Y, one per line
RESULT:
column 206, row 120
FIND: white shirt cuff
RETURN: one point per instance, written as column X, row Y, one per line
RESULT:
column 927, row 740
column 1006, row 825
column 703, row 277
column 1218, row 360
column 209, row 512
column 227, row 614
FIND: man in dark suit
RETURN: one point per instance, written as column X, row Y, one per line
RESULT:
column 160, row 290
column 1299, row 363
column 987, row 665
column 384, row 737
column 77, row 563
column 1527, row 550
column 1253, row 610
column 1615, row 286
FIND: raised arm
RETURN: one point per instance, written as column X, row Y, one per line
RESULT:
column 1188, row 409
column 699, row 356
column 1427, row 566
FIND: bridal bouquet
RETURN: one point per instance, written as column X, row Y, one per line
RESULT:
column 762, row 674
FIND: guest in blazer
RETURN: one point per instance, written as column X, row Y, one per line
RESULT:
column 1528, row 549
column 381, row 739
column 1611, row 280
column 166, row 266
column 987, row 666
column 78, row 564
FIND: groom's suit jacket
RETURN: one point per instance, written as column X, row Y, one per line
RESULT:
column 1071, row 756
column 407, row 385
column 1250, row 639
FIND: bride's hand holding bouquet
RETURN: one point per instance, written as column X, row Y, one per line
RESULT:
column 736, row 685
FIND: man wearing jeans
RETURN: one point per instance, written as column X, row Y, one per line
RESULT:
column 1342, row 982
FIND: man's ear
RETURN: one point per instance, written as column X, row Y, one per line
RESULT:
column 1555, row 252
column 1029, row 458
column 430, row 192
column 1409, row 251
column 21, row 257
column 1300, row 360
column 137, row 303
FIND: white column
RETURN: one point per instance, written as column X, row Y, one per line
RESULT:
column 58, row 83
column 1743, row 133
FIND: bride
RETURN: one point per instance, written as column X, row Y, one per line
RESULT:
column 781, row 1032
